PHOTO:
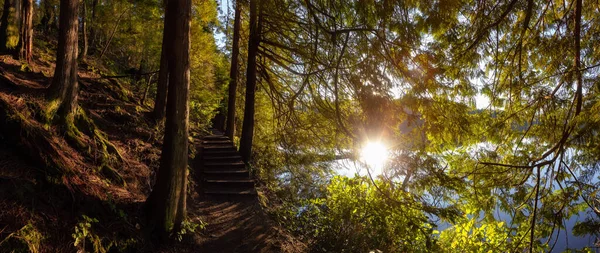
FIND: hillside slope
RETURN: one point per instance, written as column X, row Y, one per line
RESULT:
column 58, row 194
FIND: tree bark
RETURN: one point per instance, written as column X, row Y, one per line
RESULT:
column 17, row 11
column 160, row 101
column 137, row 75
column 233, row 73
column 26, row 38
column 253, row 43
column 84, row 49
column 166, row 204
column 92, row 37
column 63, row 89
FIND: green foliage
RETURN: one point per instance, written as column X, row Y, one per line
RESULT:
column 188, row 227
column 25, row 67
column 84, row 232
column 354, row 216
column 113, row 207
column 471, row 235
column 26, row 239
column 12, row 31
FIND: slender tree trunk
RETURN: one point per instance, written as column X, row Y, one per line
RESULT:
column 26, row 38
column 233, row 73
column 160, row 101
column 137, row 75
column 63, row 89
column 145, row 95
column 166, row 204
column 84, row 49
column 248, row 124
column 92, row 37
column 18, row 11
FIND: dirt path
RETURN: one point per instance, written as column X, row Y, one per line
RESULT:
column 237, row 224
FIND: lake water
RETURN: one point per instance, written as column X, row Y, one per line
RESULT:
column 566, row 239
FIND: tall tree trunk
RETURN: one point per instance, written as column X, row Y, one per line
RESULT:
column 18, row 11
column 63, row 89
column 233, row 73
column 84, row 49
column 137, row 75
column 160, row 101
column 92, row 37
column 26, row 38
column 166, row 204
column 248, row 124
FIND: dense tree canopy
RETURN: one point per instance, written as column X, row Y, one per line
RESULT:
column 488, row 109
column 418, row 75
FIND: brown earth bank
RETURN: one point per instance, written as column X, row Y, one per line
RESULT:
column 87, row 195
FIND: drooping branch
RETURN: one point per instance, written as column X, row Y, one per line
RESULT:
column 481, row 33
column 336, row 88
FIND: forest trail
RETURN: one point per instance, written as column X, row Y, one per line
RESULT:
column 54, row 209
column 229, row 204
column 222, row 170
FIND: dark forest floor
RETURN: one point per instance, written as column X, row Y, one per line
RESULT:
column 42, row 210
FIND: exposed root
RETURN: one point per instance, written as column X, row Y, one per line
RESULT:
column 49, row 112
column 32, row 140
column 112, row 174
column 110, row 153
column 72, row 134
column 99, row 142
column 117, row 90
column 36, row 141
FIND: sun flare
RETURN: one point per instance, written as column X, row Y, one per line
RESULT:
column 374, row 155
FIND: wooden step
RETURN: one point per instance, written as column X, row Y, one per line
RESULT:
column 215, row 137
column 223, row 168
column 217, row 148
column 217, row 143
column 212, row 164
column 223, row 172
column 212, row 159
column 226, row 174
column 229, row 183
column 217, row 152
column 230, row 191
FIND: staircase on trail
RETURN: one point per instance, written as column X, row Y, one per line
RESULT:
column 222, row 169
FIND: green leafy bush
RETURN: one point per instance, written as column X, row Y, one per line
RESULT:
column 355, row 216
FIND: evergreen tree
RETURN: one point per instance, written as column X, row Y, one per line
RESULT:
column 166, row 205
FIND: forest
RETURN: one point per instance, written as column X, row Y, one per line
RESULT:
column 299, row 126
